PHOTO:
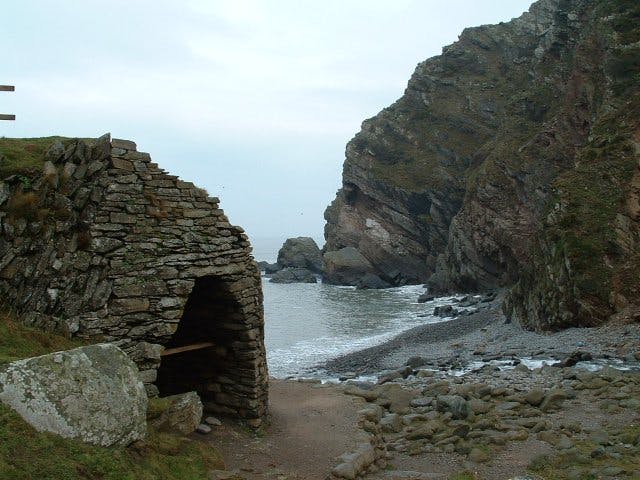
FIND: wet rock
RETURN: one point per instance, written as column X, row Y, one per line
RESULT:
column 445, row 311
column 395, row 375
column 293, row 275
column 426, row 297
column 371, row 281
column 575, row 357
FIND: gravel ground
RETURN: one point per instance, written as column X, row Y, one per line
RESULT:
column 486, row 336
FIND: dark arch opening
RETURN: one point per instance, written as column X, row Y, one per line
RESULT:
column 198, row 355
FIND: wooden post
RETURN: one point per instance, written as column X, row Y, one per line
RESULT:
column 7, row 88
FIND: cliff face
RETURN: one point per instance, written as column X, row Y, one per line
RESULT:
column 510, row 160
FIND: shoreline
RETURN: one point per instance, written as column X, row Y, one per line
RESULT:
column 484, row 336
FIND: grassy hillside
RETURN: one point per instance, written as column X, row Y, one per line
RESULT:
column 26, row 454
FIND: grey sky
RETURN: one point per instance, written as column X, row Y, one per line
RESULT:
column 253, row 100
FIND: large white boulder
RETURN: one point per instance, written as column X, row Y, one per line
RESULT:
column 91, row 393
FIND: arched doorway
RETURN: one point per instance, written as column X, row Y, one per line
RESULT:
column 198, row 354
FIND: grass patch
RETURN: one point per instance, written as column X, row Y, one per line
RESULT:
column 26, row 454
column 24, row 156
column 579, row 463
column 23, row 205
column 18, row 341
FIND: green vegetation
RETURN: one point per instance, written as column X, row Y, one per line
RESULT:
column 592, row 194
column 588, row 461
column 23, row 156
column 18, row 341
column 464, row 476
column 26, row 454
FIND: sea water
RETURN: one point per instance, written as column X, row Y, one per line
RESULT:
column 307, row 324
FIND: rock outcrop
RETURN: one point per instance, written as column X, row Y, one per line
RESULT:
column 91, row 393
column 105, row 245
column 345, row 266
column 293, row 275
column 511, row 160
column 300, row 252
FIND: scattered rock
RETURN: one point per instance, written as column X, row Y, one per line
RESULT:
column 213, row 421
column 445, row 311
column 391, row 423
column 203, row 429
column 456, row 405
column 553, row 399
column 535, row 397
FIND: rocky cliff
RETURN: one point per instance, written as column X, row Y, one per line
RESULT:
column 511, row 160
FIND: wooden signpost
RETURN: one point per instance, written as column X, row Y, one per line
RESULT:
column 7, row 88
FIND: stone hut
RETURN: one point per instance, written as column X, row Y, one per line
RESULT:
column 105, row 245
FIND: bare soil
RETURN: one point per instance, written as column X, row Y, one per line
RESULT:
column 308, row 427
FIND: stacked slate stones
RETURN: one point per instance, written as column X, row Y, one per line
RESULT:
column 105, row 245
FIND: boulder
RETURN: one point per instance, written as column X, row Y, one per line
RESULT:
column 575, row 357
column 300, row 252
column 371, row 281
column 345, row 266
column 553, row 399
column 294, row 275
column 182, row 415
column 92, row 393
column 534, row 397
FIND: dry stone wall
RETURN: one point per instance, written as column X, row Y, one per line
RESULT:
column 105, row 245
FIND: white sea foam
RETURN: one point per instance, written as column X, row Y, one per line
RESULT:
column 307, row 324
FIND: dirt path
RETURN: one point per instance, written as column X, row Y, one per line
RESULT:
column 309, row 426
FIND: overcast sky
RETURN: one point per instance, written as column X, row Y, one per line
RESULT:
column 253, row 100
